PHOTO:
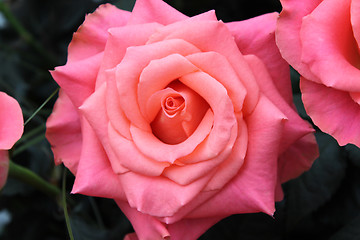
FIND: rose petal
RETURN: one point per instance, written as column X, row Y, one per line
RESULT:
column 331, row 51
column 216, row 96
column 129, row 70
column 217, row 66
column 155, row 149
column 94, row 111
column 230, row 167
column 188, row 173
column 77, row 79
column 203, row 152
column 63, row 131
column 191, row 228
column 129, row 156
column 117, row 44
column 288, row 33
column 333, row 111
column 159, row 196
column 295, row 128
column 298, row 158
column 114, row 111
column 259, row 40
column 146, row 227
column 90, row 38
column 224, row 173
column 132, row 236
column 244, row 194
column 11, row 121
column 221, row 41
column 94, row 175
column 355, row 21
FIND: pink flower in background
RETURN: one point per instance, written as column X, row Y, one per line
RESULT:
column 183, row 121
column 11, row 129
column 320, row 39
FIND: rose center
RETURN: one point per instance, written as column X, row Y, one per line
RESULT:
column 172, row 105
column 181, row 112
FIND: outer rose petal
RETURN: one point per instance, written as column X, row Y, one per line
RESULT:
column 78, row 76
column 149, row 228
column 259, row 41
column 191, row 228
column 95, row 176
column 78, row 79
column 94, row 111
column 333, row 111
column 158, row 196
column 298, row 148
column 116, row 45
column 331, row 50
column 4, row 167
column 288, row 33
column 11, row 121
column 297, row 158
column 91, row 37
column 63, row 131
column 295, row 128
column 320, row 43
column 146, row 226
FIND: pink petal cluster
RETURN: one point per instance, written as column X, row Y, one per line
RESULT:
column 11, row 129
column 320, row 39
column 183, row 121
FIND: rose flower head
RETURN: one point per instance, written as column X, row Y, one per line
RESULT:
column 320, row 39
column 181, row 120
column 11, row 129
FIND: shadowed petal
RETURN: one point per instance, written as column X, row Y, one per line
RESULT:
column 333, row 111
column 63, row 131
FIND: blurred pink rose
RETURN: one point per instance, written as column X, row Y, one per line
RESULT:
column 183, row 121
column 11, row 129
column 320, row 39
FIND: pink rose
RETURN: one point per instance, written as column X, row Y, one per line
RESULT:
column 11, row 129
column 320, row 39
column 183, row 121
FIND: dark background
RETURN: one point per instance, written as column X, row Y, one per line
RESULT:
column 323, row 203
